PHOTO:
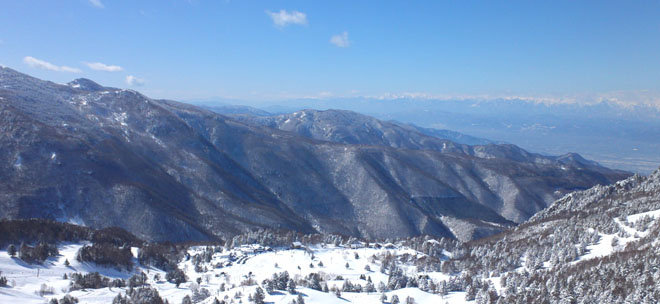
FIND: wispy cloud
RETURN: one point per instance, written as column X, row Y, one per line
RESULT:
column 134, row 81
column 340, row 40
column 284, row 18
column 41, row 64
column 97, row 3
column 103, row 67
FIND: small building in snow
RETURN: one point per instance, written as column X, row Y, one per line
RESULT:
column 356, row 244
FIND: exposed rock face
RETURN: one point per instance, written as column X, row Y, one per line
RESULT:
column 171, row 171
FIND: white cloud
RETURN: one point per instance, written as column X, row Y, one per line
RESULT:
column 340, row 40
column 97, row 3
column 40, row 64
column 284, row 18
column 134, row 81
column 103, row 67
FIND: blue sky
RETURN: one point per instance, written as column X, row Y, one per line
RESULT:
column 277, row 50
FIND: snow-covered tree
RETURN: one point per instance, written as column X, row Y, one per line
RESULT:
column 259, row 296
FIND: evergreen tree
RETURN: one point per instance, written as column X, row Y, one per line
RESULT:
column 176, row 276
column 11, row 250
column 369, row 287
column 470, row 293
column 3, row 280
column 186, row 300
column 68, row 299
column 291, row 286
column 259, row 296
column 382, row 287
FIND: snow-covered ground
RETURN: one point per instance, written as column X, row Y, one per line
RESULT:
column 25, row 280
column 605, row 245
column 233, row 275
column 635, row 217
column 299, row 263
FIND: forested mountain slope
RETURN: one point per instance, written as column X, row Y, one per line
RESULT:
column 164, row 170
column 594, row 246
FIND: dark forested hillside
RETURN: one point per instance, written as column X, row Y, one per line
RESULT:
column 164, row 170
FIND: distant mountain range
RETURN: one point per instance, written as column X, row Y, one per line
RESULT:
column 260, row 117
column 614, row 134
column 348, row 127
column 165, row 170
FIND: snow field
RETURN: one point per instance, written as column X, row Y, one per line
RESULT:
column 297, row 263
column 25, row 283
column 604, row 246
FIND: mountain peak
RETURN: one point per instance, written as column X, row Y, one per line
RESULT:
column 86, row 85
column 576, row 158
column 7, row 72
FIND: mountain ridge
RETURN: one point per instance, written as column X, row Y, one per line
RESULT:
column 343, row 126
column 167, row 170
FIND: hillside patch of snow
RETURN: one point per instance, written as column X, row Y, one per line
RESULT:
column 229, row 267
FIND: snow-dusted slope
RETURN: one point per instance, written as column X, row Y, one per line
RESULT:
column 579, row 246
column 353, row 128
column 25, row 279
column 227, row 282
column 595, row 246
column 633, row 195
column 170, row 171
